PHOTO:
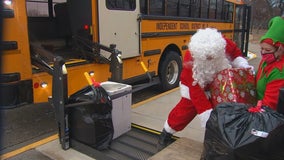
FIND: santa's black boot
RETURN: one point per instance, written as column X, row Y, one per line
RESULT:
column 164, row 140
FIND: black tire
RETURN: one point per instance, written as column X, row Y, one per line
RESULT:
column 169, row 71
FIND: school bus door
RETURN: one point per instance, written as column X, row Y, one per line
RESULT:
column 118, row 25
column 242, row 22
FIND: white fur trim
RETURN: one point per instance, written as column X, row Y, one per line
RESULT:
column 168, row 128
column 204, row 116
column 184, row 91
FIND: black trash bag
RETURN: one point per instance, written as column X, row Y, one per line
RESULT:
column 234, row 133
column 91, row 124
column 273, row 145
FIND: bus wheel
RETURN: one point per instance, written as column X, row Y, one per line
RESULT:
column 169, row 71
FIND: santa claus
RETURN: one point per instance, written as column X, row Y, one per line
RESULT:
column 209, row 52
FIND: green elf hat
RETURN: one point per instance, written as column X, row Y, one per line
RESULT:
column 275, row 31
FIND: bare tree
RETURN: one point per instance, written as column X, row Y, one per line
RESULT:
column 263, row 11
column 277, row 4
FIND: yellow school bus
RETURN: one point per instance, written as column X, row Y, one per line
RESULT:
column 127, row 41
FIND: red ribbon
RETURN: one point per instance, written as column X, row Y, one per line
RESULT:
column 257, row 108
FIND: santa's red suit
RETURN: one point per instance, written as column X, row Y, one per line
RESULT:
column 194, row 100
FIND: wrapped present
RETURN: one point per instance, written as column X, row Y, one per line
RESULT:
column 233, row 85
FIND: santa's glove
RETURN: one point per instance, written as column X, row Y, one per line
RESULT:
column 204, row 116
column 251, row 69
column 241, row 62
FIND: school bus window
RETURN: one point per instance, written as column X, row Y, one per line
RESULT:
column 195, row 9
column 184, row 10
column 213, row 9
column 228, row 11
column 219, row 9
column 172, row 8
column 143, row 6
column 127, row 5
column 156, row 7
column 39, row 8
column 204, row 9
column 231, row 12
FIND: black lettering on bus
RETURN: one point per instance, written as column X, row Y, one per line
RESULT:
column 205, row 25
column 184, row 26
column 199, row 25
column 166, row 26
column 195, row 25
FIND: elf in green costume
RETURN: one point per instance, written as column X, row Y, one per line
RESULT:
column 270, row 74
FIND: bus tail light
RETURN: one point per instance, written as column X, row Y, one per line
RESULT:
column 41, row 85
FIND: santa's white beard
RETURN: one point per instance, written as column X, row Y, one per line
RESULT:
column 205, row 71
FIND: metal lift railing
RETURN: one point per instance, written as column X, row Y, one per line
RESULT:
column 59, row 100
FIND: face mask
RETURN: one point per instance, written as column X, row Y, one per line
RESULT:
column 268, row 57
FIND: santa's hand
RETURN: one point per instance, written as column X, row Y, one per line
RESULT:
column 251, row 69
column 241, row 62
column 204, row 116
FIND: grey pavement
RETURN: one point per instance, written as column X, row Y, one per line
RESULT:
column 254, row 48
